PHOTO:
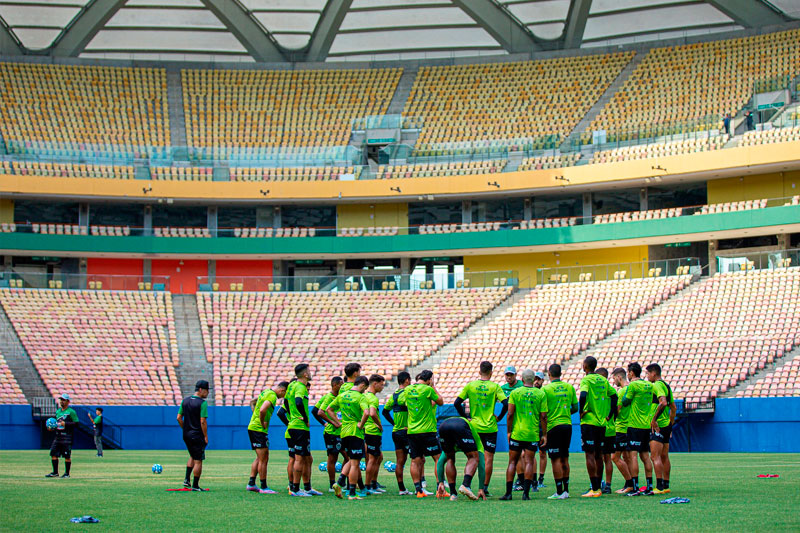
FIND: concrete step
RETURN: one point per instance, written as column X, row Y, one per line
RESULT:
column 19, row 362
column 177, row 119
column 404, row 85
column 191, row 349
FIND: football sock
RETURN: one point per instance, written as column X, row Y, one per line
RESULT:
column 55, row 465
column 67, row 466
column 295, row 487
column 467, row 481
column 188, row 474
column 628, row 483
column 452, row 488
column 659, row 483
column 360, row 484
column 330, row 483
column 252, row 481
column 401, row 486
column 307, row 486
column 650, row 483
column 520, row 479
column 541, row 479
column 342, row 480
column 526, row 486
column 595, row 483
column 263, row 483
column 666, row 483
column 559, row 486
column 418, row 486
column 566, row 484
column 352, row 490
column 635, row 482
column 509, row 487
column 196, row 484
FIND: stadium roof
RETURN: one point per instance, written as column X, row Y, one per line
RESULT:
column 340, row 30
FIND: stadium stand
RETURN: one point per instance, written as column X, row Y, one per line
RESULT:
column 552, row 324
column 696, row 82
column 68, row 170
column 274, row 232
column 550, row 161
column 646, row 151
column 105, row 347
column 424, row 170
column 783, row 381
column 83, row 105
column 10, row 392
column 294, row 173
column 774, row 135
column 182, row 173
column 517, row 103
column 723, row 331
column 255, row 339
column 181, row 232
column 260, row 108
column 377, row 231
column 61, row 229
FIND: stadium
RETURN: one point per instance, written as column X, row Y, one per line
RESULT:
column 429, row 222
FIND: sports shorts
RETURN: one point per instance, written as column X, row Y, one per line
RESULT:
column 333, row 443
column 521, row 445
column 663, row 435
column 455, row 434
column 423, row 445
column 609, row 444
column 258, row 440
column 302, row 442
column 639, row 440
column 592, row 438
column 354, row 447
column 489, row 441
column 196, row 448
column 558, row 439
column 400, row 439
column 621, row 443
column 373, row 443
column 290, row 445
column 61, row 449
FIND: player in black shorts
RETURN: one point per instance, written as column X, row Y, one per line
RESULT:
column 193, row 419
column 396, row 412
column 67, row 419
column 457, row 434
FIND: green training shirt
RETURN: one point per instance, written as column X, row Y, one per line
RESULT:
column 421, row 412
column 298, row 390
column 640, row 393
column 598, row 391
column 611, row 428
column 371, row 428
column 475, row 436
column 508, row 389
column 660, row 388
column 560, row 399
column 529, row 403
column 352, row 404
column 482, row 395
column 621, row 422
column 397, row 404
column 267, row 395
column 322, row 404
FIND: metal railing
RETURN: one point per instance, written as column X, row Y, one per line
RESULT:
column 618, row 271
column 112, row 433
column 59, row 280
column 746, row 261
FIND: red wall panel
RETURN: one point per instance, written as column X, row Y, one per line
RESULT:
column 125, row 267
column 232, row 271
column 182, row 273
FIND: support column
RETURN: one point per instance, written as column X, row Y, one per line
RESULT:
column 451, row 276
column 643, row 199
column 213, row 212
column 783, row 241
column 83, row 216
column 276, row 217
column 340, row 273
column 466, row 212
column 147, row 270
column 148, row 222
column 212, row 271
column 405, row 273
column 527, row 209
column 712, row 257
column 587, row 208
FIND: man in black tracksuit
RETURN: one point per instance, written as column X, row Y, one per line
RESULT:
column 192, row 417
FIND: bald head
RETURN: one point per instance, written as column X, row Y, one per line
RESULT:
column 527, row 376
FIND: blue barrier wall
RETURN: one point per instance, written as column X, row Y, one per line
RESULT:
column 738, row 425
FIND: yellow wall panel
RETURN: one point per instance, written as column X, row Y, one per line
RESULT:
column 775, row 185
column 372, row 215
column 6, row 210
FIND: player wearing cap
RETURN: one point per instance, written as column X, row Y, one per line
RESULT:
column 396, row 412
column 598, row 400
column 263, row 406
column 538, row 382
column 300, row 432
column 421, row 400
column 661, row 428
column 622, row 454
column 373, row 434
column 482, row 395
column 193, row 419
column 639, row 396
column 562, row 403
column 527, row 413
column 355, row 411
column 331, row 433
column 459, row 434
column 67, row 418
column 513, row 383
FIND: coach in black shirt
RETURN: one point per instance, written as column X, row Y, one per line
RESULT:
column 192, row 417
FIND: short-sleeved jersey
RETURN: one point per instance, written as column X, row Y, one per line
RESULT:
column 193, row 409
column 611, row 428
column 560, row 399
column 397, row 404
column 661, row 388
column 621, row 422
column 65, row 435
column 371, row 428
column 640, row 393
column 352, row 404
column 598, row 391
column 421, row 412
column 297, row 419
column 322, row 405
column 482, row 396
column 508, row 389
column 98, row 425
column 475, row 436
column 346, row 386
column 267, row 395
column 529, row 403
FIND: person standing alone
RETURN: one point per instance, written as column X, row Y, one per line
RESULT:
column 97, row 425
column 193, row 419
column 67, row 419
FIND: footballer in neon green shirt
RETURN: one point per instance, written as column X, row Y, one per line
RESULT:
column 262, row 407
column 639, row 397
column 597, row 400
column 661, row 428
column 297, row 402
column 421, row 401
column 355, row 410
column 527, row 413
column 331, row 433
column 459, row 434
column 373, row 433
column 395, row 412
column 562, row 402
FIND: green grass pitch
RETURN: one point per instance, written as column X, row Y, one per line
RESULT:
column 121, row 490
